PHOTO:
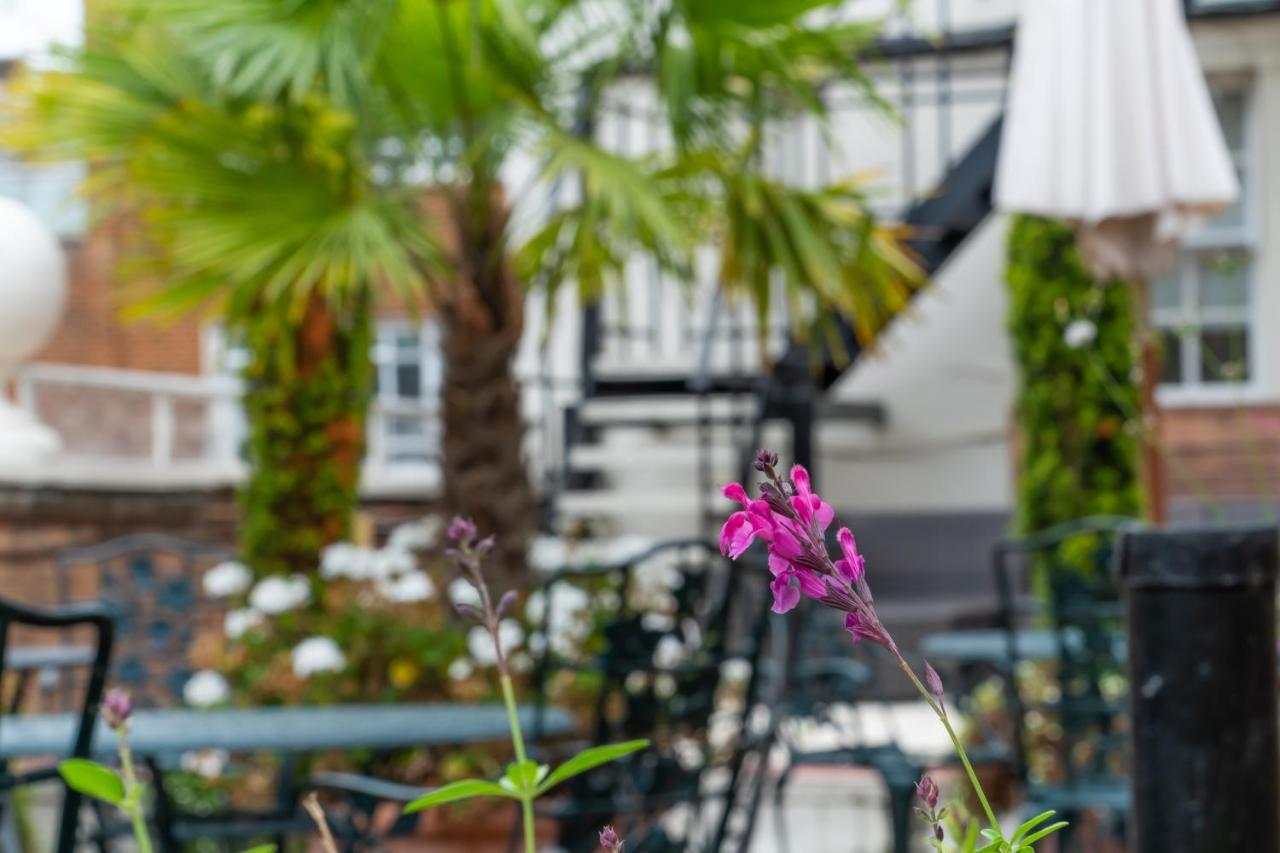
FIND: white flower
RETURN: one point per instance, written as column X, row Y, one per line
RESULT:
column 461, row 669
column 226, row 579
column 237, row 623
column 657, row 622
column 668, row 653
column 317, row 654
column 566, row 622
column 735, row 670
column 408, row 588
column 280, row 594
column 208, row 763
column 480, row 644
column 548, row 553
column 462, row 592
column 206, row 688
column 338, row 560
column 415, row 535
column 1080, row 333
column 390, row 562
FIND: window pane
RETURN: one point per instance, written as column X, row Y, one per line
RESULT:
column 1224, row 280
column 408, row 381
column 1170, row 357
column 1233, row 217
column 1166, row 294
column 1224, row 354
column 1230, row 106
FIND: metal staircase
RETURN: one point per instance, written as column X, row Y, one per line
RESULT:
column 648, row 442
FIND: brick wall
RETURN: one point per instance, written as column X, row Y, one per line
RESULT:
column 92, row 332
column 1229, row 455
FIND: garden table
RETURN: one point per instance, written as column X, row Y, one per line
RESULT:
column 34, row 658
column 282, row 729
column 991, row 645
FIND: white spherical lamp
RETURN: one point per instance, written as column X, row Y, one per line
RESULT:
column 33, row 292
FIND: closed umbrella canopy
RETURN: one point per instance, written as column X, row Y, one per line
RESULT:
column 1109, row 126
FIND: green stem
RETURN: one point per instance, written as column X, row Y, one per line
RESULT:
column 955, row 741
column 133, row 795
column 517, row 741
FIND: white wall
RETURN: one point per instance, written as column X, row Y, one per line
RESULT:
column 945, row 377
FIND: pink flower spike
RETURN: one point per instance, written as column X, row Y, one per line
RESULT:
column 735, row 492
column 785, row 596
column 853, row 625
column 737, row 535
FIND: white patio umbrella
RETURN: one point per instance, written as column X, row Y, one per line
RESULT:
column 1109, row 127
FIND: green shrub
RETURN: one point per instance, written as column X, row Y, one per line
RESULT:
column 307, row 390
column 1078, row 443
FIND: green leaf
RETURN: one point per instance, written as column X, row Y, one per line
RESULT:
column 262, row 848
column 588, row 759
column 524, row 776
column 1044, row 833
column 464, row 790
column 1030, row 825
column 92, row 779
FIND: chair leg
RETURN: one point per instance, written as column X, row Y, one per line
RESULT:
column 900, row 816
column 779, row 808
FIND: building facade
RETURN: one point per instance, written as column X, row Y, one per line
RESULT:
column 922, row 442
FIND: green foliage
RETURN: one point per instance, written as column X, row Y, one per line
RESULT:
column 527, row 780
column 1078, row 441
column 93, row 780
column 308, row 386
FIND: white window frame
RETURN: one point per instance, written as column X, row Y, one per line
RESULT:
column 389, row 405
column 1246, row 239
column 227, row 422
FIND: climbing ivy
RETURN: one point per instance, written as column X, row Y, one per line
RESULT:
column 1077, row 404
column 308, row 386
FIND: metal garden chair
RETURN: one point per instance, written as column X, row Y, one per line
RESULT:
column 662, row 676
column 97, row 619
column 153, row 583
column 828, row 684
column 1062, row 581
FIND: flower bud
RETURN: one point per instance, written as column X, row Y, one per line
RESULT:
column 466, row 611
column 934, row 682
column 462, row 530
column 927, row 790
column 507, row 601
column 766, row 461
column 610, row 841
column 116, row 708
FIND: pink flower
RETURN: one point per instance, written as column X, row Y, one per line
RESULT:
column 853, row 566
column 742, row 528
column 806, row 503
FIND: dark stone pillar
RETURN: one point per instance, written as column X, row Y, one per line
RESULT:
column 1202, row 668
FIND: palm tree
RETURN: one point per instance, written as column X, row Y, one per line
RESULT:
column 287, row 159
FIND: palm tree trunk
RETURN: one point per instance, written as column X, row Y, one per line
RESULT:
column 308, row 386
column 485, row 476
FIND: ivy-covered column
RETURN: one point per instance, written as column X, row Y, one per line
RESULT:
column 1078, row 411
column 308, row 386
